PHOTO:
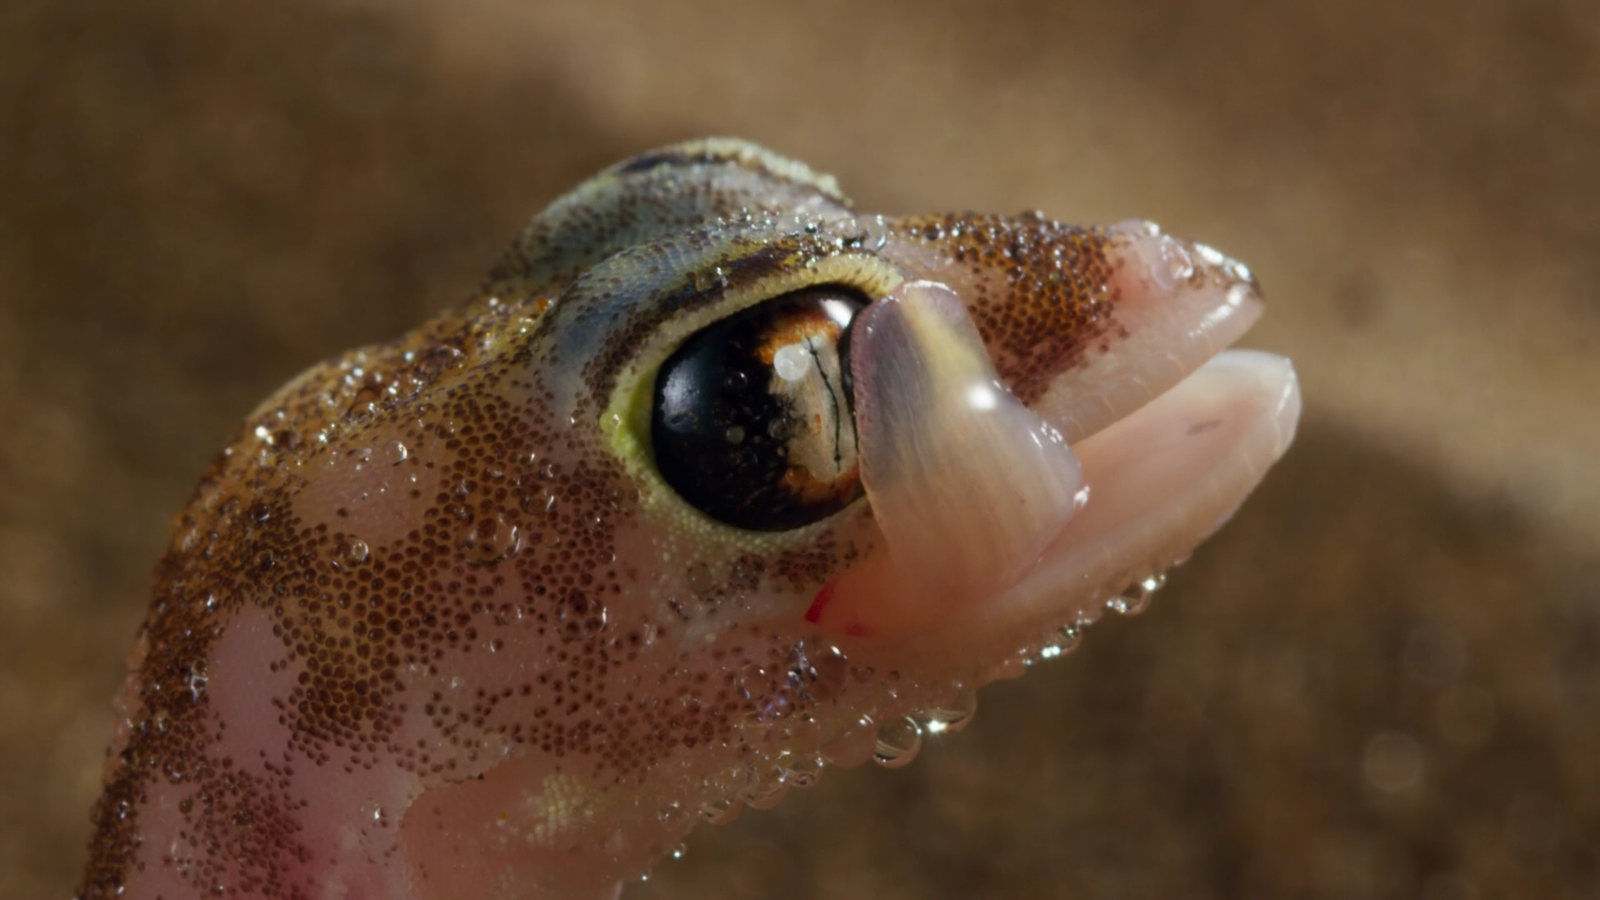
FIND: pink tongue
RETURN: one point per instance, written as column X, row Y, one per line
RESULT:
column 967, row 484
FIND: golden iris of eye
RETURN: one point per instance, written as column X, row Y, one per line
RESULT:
column 751, row 422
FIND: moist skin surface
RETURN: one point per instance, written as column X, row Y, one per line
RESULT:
column 503, row 607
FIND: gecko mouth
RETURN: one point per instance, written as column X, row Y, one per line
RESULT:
column 1004, row 520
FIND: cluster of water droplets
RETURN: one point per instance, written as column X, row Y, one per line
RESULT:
column 892, row 744
column 898, row 740
column 1130, row 601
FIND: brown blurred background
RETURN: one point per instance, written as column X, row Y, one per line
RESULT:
column 1383, row 680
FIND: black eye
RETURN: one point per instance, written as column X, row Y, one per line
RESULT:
column 752, row 422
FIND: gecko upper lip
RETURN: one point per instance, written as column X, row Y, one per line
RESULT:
column 1178, row 304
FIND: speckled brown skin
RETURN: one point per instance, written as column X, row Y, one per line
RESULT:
column 427, row 558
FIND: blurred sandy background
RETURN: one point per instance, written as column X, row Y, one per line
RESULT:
column 1383, row 680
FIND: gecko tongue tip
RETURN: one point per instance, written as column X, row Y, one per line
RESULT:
column 968, row 485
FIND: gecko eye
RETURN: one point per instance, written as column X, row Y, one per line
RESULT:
column 752, row 422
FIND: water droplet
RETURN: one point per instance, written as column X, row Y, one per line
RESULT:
column 952, row 716
column 852, row 747
column 767, row 796
column 673, row 816
column 688, row 606
column 735, row 381
column 489, row 540
column 1068, row 638
column 1136, row 598
column 803, row 772
column 898, row 742
column 818, row 669
column 707, row 279
column 700, row 578
column 353, row 552
column 734, row 435
column 196, row 681
column 541, row 502
column 721, row 812
column 1087, row 616
column 395, row 453
column 623, row 500
column 190, row 537
column 874, row 232
column 1170, row 264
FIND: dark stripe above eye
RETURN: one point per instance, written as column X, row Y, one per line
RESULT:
column 655, row 160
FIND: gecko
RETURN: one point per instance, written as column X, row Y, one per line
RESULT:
column 713, row 482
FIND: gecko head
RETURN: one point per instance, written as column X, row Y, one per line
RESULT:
column 930, row 445
column 716, row 479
